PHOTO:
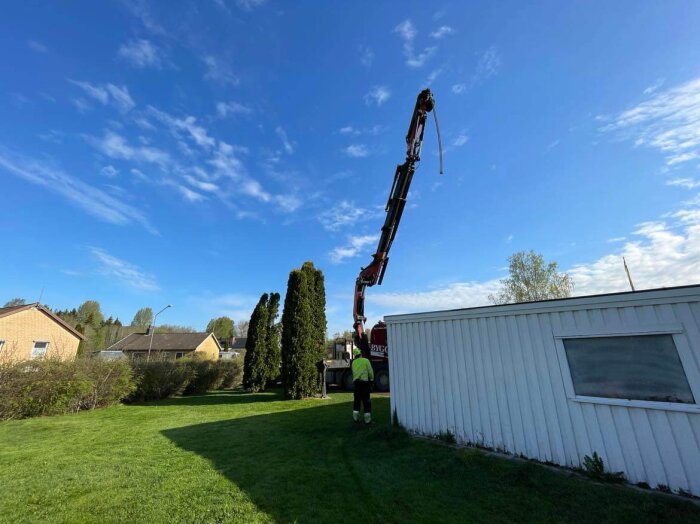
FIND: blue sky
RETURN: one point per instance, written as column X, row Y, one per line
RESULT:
column 194, row 152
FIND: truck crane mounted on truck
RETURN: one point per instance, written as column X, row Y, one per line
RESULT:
column 338, row 368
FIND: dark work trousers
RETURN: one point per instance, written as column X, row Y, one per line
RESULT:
column 361, row 396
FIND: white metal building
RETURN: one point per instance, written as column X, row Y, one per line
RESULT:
column 556, row 380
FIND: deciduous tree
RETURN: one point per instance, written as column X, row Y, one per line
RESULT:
column 531, row 278
column 143, row 318
column 222, row 327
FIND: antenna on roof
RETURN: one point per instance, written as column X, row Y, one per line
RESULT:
column 41, row 295
column 629, row 277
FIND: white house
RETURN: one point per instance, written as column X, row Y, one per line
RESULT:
column 556, row 380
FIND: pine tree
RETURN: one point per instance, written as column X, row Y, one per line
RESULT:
column 303, row 331
column 254, row 376
column 274, row 351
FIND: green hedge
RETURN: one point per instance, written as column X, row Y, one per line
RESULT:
column 51, row 387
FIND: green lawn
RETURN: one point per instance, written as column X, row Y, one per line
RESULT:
column 233, row 457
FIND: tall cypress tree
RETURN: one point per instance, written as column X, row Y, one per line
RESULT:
column 303, row 331
column 254, row 375
column 274, row 351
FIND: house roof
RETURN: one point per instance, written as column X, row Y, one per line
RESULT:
column 6, row 311
column 161, row 342
column 239, row 343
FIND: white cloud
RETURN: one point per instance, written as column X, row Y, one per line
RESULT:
column 356, row 150
column 377, row 95
column 457, row 295
column 442, row 32
column 614, row 240
column 654, row 87
column 37, row 46
column 104, row 94
column 407, row 32
column 219, row 71
column 120, row 95
column 187, row 124
column 460, row 139
column 114, row 145
column 89, row 198
column 201, row 184
column 353, row 248
column 488, row 65
column 433, row 75
column 661, row 255
column 224, row 109
column 345, row 214
column 354, row 131
column 140, row 53
column 109, row 171
column 668, row 122
column 188, row 194
column 249, row 5
column 366, row 56
column 458, row 89
column 124, row 271
column 282, row 134
column 688, row 183
column 553, row 144
column 288, row 203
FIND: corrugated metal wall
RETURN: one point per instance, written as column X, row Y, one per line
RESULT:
column 494, row 379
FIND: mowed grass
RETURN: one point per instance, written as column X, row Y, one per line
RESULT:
column 236, row 457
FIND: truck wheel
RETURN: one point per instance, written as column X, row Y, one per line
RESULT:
column 381, row 380
column 346, row 381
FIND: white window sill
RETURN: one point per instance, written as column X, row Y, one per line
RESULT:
column 644, row 404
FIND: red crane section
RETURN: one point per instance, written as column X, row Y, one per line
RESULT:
column 373, row 274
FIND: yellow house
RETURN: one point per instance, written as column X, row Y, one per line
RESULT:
column 170, row 345
column 34, row 331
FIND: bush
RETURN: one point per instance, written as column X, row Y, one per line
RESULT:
column 232, row 372
column 207, row 375
column 160, row 378
column 110, row 381
column 51, row 387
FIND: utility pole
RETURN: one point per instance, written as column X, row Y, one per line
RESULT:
column 153, row 328
column 629, row 277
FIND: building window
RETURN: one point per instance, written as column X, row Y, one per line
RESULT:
column 636, row 367
column 2, row 344
column 179, row 355
column 39, row 348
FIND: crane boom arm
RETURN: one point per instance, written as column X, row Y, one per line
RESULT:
column 374, row 273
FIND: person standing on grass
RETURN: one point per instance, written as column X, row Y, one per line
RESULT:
column 362, row 376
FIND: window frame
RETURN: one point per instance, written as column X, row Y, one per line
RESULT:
column 680, row 340
column 2, row 344
column 46, row 350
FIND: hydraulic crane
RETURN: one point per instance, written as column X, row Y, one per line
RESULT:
column 373, row 274
column 337, row 369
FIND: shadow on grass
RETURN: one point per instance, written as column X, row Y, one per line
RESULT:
column 312, row 464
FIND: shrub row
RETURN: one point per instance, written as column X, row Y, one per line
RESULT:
column 51, row 387
column 159, row 379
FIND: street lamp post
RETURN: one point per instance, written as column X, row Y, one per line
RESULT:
column 153, row 328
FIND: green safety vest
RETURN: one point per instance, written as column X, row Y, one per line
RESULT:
column 362, row 369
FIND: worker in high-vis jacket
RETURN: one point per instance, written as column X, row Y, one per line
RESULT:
column 362, row 376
